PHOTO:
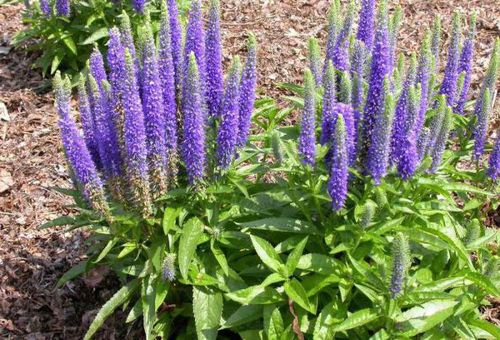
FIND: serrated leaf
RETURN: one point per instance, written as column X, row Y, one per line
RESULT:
column 273, row 322
column 255, row 295
column 298, row 294
column 267, row 254
column 318, row 263
column 97, row 35
column 243, row 315
column 118, row 299
column 281, row 224
column 70, row 44
column 330, row 315
column 357, row 319
column 486, row 326
column 220, row 257
column 169, row 217
column 148, row 293
column 425, row 316
column 294, row 257
column 76, row 270
column 207, row 310
column 191, row 234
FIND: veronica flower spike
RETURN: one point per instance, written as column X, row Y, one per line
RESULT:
column 247, row 91
column 481, row 127
column 135, row 141
column 307, row 137
column 45, row 8
column 494, row 161
column 228, row 131
column 315, row 60
column 213, row 55
column 63, row 8
column 193, row 144
column 449, row 85
column 329, row 100
column 139, row 5
column 366, row 23
column 176, row 41
column 195, row 42
column 76, row 152
column 400, row 263
column 337, row 184
column 465, row 66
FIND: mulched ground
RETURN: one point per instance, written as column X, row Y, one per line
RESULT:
column 32, row 260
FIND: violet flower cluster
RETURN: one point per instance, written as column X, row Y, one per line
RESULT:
column 142, row 132
column 393, row 119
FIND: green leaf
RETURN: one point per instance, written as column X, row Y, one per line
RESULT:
column 243, row 315
column 255, row 295
column 68, row 41
column 106, row 250
column 298, row 294
column 267, row 254
column 148, row 293
column 135, row 312
column 56, row 61
column 79, row 269
column 463, row 187
column 191, row 234
column 318, row 263
column 357, row 319
column 97, row 35
column 59, row 221
column 425, row 316
column 207, row 310
column 282, row 224
column 294, row 257
column 118, row 299
column 220, row 257
column 483, row 282
column 169, row 217
column 486, row 326
column 273, row 322
column 329, row 316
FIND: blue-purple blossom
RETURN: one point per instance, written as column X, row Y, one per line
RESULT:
column 247, row 92
column 227, row 135
column 401, row 114
column 329, row 100
column 167, row 79
column 423, row 75
column 440, row 144
column 168, row 268
column 128, row 42
column 481, row 128
column 139, row 5
column 76, row 152
column 407, row 155
column 494, row 161
column 379, row 149
column 45, row 8
column 315, row 60
column 193, row 144
column 436, row 42
column 63, row 8
column 88, row 124
column 307, row 137
column 359, row 56
column 339, row 175
column 333, row 27
column 345, row 88
column 340, row 56
column 366, row 23
column 423, row 140
column 374, row 107
column 154, row 116
column 96, row 66
column 135, row 139
column 400, row 263
column 449, row 85
column 394, row 25
column 213, row 57
column 195, row 42
column 436, row 123
column 176, row 42
column 465, row 66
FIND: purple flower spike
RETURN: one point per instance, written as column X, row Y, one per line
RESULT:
column 341, row 50
column 423, row 139
column 357, row 64
column 329, row 100
column 378, row 152
column 481, row 127
column 139, row 5
column 494, row 162
column 394, row 25
column 423, row 76
column 167, row 79
column 135, row 140
column 401, row 114
column 176, row 42
column 339, row 176
column 367, row 23
column 45, row 8
column 374, row 106
column 307, row 138
column 154, row 115
column 62, row 8
column 195, row 42
column 128, row 42
column 436, row 42
column 333, row 26
column 88, row 124
column 449, row 85
column 315, row 60
column 77, row 153
column 465, row 66
column 213, row 55
column 193, row 144
column 436, row 124
column 96, row 66
column 247, row 91
column 408, row 151
column 228, row 130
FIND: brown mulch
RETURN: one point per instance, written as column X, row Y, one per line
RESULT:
column 31, row 162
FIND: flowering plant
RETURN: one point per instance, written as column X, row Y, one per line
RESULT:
column 364, row 227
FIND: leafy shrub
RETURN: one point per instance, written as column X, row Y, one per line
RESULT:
column 374, row 232
column 64, row 32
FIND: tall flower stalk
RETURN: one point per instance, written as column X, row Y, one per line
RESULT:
column 337, row 184
column 307, row 138
column 213, row 55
